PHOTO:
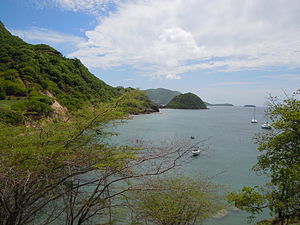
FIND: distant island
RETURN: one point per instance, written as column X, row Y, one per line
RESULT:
column 186, row 101
column 249, row 105
column 161, row 96
column 220, row 104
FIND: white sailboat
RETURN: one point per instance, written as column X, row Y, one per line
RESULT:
column 254, row 120
column 266, row 125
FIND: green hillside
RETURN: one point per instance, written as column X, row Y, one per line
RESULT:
column 186, row 101
column 33, row 77
column 161, row 96
column 26, row 69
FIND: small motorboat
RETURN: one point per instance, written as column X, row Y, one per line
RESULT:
column 196, row 152
column 266, row 125
column 192, row 137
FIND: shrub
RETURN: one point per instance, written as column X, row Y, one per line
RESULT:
column 33, row 106
column 10, row 74
column 2, row 94
column 11, row 117
column 16, row 89
column 36, row 96
column 38, row 107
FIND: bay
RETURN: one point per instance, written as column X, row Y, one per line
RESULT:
column 229, row 133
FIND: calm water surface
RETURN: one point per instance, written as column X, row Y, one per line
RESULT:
column 232, row 151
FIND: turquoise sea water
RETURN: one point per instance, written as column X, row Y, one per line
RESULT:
column 232, row 151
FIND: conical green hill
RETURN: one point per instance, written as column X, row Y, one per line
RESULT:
column 186, row 101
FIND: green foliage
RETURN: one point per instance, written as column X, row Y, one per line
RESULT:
column 37, row 106
column 280, row 161
column 10, row 74
column 36, row 96
column 186, row 101
column 42, row 163
column 41, row 67
column 179, row 200
column 249, row 199
column 66, row 168
column 161, row 96
column 2, row 93
column 30, row 71
column 11, row 117
column 12, row 87
column 51, row 162
column 136, row 102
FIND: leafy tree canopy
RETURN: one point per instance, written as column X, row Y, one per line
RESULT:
column 176, row 200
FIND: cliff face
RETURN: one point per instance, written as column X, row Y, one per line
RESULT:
column 186, row 101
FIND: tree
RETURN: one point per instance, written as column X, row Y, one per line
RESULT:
column 108, row 186
column 38, row 163
column 175, row 201
column 63, row 171
column 280, row 161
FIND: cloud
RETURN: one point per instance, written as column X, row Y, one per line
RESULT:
column 288, row 77
column 172, row 37
column 40, row 35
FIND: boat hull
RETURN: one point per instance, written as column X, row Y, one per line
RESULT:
column 196, row 152
column 266, row 126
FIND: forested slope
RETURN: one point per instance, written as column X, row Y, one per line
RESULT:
column 33, row 77
column 25, row 68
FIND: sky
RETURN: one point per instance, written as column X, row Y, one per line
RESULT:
column 225, row 51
